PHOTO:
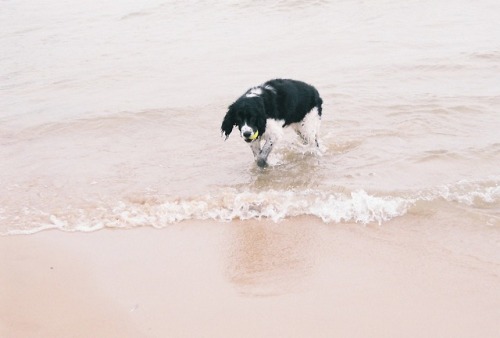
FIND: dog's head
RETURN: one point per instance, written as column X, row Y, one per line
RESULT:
column 248, row 115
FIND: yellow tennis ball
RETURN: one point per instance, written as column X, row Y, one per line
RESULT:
column 254, row 136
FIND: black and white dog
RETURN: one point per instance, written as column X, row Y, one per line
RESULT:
column 263, row 111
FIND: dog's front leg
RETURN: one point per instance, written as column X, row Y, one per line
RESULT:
column 255, row 146
column 264, row 153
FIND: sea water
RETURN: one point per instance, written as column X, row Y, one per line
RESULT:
column 110, row 113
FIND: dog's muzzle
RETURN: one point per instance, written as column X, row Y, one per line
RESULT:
column 249, row 137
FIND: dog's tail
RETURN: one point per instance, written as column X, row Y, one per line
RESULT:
column 319, row 103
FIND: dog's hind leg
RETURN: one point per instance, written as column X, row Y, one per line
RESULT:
column 308, row 128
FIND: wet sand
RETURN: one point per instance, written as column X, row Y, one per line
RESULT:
column 298, row 278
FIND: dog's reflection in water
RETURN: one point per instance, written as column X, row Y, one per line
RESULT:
column 268, row 258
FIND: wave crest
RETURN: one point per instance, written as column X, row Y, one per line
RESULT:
column 357, row 206
column 232, row 204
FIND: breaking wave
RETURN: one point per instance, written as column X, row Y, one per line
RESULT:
column 230, row 204
column 358, row 206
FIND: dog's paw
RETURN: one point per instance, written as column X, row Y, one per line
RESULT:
column 261, row 162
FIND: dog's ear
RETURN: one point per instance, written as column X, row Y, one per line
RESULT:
column 261, row 120
column 227, row 124
column 260, row 123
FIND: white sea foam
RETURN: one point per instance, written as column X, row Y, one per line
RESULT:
column 357, row 206
column 470, row 193
column 232, row 204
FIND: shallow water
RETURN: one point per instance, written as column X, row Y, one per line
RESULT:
column 110, row 113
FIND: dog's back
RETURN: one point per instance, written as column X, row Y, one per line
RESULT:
column 294, row 99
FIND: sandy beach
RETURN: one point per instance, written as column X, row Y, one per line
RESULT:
column 297, row 278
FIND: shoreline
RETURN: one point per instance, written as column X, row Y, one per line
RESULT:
column 296, row 278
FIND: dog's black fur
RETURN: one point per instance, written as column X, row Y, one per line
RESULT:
column 279, row 99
